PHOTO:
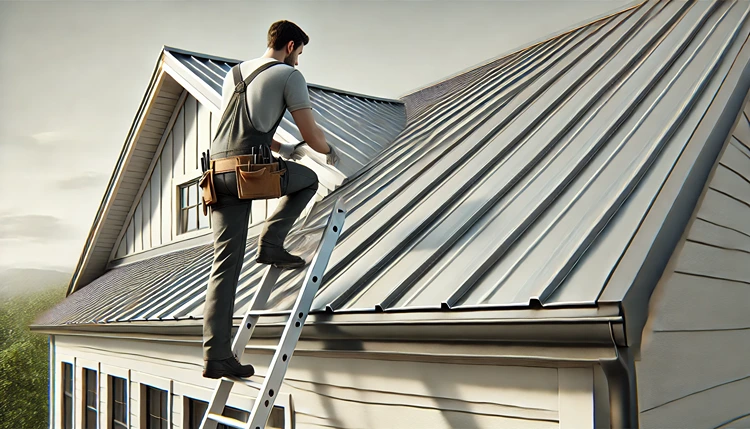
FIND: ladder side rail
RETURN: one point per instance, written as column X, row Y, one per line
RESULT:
column 293, row 329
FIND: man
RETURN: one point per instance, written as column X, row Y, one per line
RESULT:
column 250, row 119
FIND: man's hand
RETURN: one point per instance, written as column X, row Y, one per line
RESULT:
column 291, row 150
column 332, row 158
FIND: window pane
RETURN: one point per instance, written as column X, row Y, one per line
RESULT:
column 192, row 219
column 153, row 402
column 236, row 414
column 184, row 220
column 202, row 219
column 183, row 196
column 68, row 377
column 118, row 407
column 90, row 419
column 163, row 404
column 197, row 410
column 276, row 419
column 193, row 195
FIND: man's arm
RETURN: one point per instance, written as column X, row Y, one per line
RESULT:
column 311, row 133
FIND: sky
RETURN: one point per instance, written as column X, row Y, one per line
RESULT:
column 73, row 74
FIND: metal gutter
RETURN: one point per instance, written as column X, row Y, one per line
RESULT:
column 580, row 331
column 622, row 386
column 474, row 352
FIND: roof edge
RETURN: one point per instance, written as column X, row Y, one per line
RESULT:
column 120, row 165
column 490, row 353
column 170, row 49
column 634, row 4
column 549, row 331
column 638, row 272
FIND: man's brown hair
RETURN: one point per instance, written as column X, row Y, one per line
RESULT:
column 282, row 32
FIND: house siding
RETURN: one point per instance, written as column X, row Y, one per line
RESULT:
column 694, row 369
column 356, row 393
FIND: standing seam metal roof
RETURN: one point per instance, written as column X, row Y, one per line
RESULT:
column 519, row 184
column 358, row 126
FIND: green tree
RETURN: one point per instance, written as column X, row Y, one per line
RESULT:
column 24, row 361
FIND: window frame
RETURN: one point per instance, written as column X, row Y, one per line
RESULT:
column 63, row 393
column 112, row 423
column 145, row 381
column 87, row 371
column 179, row 182
column 119, row 372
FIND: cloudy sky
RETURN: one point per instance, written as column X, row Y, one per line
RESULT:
column 73, row 74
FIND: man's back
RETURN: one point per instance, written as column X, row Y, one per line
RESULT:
column 270, row 93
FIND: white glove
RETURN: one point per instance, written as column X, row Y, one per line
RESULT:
column 332, row 157
column 291, row 150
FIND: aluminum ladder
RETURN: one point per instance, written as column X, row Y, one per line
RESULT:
column 268, row 390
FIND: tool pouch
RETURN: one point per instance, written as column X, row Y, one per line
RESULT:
column 259, row 181
column 208, row 191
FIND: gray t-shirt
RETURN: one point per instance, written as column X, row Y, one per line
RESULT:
column 270, row 92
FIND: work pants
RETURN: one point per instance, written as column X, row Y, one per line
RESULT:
column 229, row 220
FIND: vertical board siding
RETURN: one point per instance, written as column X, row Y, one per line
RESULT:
column 146, row 203
column 156, row 191
column 191, row 134
column 166, row 162
column 138, row 227
column 130, row 234
column 178, row 145
column 151, row 223
column 694, row 370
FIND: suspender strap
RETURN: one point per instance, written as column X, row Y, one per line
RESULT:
column 241, row 85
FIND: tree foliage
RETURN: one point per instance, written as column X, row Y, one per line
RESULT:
column 24, row 361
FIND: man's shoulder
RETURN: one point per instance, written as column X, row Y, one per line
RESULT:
column 281, row 70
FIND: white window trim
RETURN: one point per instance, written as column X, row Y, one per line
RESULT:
column 177, row 182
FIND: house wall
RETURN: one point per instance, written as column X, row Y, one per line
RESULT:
column 335, row 392
column 694, row 369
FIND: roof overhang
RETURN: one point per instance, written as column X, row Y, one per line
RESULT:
column 136, row 128
column 471, row 336
column 641, row 267
column 603, row 326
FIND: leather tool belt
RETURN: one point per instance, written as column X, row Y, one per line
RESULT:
column 255, row 181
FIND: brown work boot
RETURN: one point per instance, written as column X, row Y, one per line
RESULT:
column 217, row 368
column 278, row 257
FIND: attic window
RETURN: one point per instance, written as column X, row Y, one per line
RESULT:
column 191, row 216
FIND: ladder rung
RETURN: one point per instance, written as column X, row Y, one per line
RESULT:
column 227, row 421
column 253, row 384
